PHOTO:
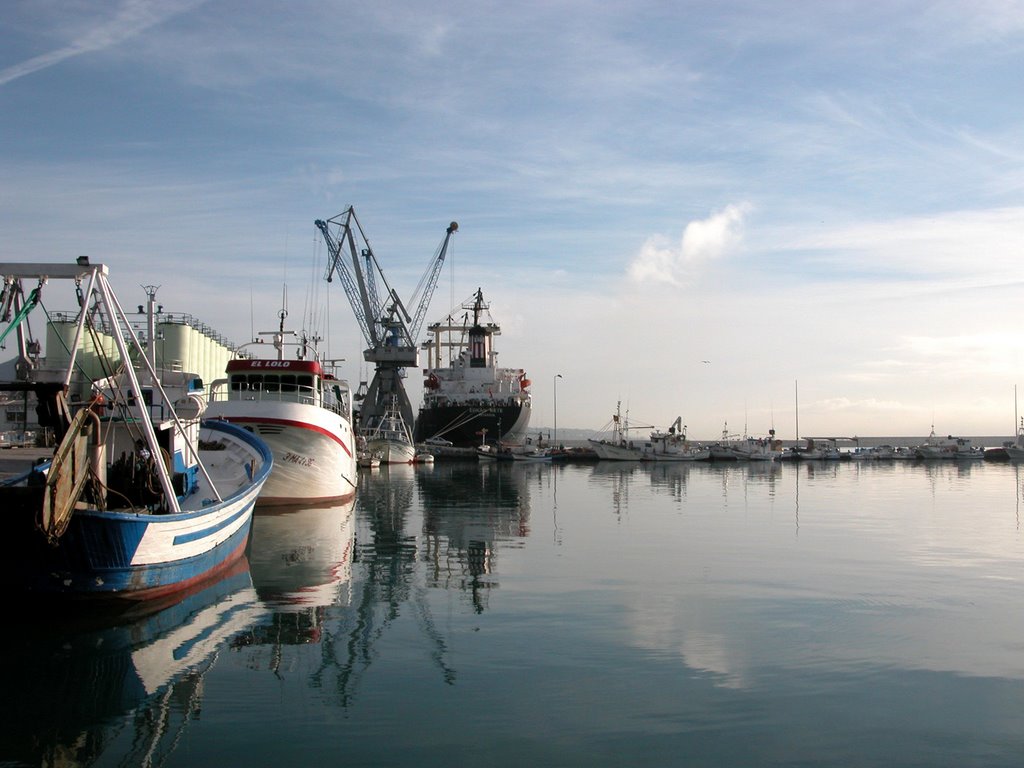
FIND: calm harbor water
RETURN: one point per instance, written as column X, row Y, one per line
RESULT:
column 561, row 615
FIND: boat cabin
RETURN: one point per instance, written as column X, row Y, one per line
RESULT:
column 299, row 381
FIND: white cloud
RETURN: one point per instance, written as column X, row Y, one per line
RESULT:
column 702, row 241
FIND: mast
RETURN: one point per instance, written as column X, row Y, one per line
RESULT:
column 796, row 395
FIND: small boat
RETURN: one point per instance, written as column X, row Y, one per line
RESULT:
column 423, row 457
column 533, row 454
column 141, row 497
column 368, row 460
column 302, row 411
column 493, row 452
column 390, row 438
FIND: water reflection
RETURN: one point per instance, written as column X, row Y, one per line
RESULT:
column 467, row 510
column 114, row 683
column 302, row 557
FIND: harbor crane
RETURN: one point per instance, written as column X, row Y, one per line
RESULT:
column 389, row 330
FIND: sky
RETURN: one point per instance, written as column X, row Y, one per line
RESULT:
column 804, row 216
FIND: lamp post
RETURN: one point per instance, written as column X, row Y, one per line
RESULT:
column 554, row 390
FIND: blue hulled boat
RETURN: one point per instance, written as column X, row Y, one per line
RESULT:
column 141, row 497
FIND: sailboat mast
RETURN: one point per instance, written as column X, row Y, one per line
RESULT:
column 796, row 396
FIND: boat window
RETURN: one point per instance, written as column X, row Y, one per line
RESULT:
column 271, row 382
column 306, row 382
column 238, row 383
column 288, row 383
column 256, row 383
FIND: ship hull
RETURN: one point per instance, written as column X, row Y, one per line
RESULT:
column 314, row 459
column 464, row 425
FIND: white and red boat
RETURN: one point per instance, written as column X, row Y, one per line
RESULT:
column 302, row 412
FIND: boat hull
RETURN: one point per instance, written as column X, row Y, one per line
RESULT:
column 606, row 451
column 464, row 425
column 391, row 451
column 314, row 457
column 137, row 555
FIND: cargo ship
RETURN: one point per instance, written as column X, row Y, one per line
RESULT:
column 467, row 399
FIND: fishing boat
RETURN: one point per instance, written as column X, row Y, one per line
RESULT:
column 141, row 497
column 465, row 392
column 302, row 411
column 758, row 449
column 618, row 446
column 722, row 450
column 949, row 447
column 672, row 445
column 389, row 439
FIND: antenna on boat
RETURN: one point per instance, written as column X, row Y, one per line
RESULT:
column 252, row 310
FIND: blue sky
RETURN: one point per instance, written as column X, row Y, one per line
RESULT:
column 823, row 193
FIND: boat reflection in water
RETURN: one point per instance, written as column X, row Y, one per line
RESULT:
column 302, row 557
column 76, row 681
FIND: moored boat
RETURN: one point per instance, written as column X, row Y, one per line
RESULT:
column 758, row 449
column 465, row 393
column 672, row 445
column 141, row 498
column 302, row 411
column 389, row 439
column 1015, row 449
column 946, row 448
column 617, row 446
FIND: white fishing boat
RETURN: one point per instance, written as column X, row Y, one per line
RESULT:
column 301, row 410
column 140, row 498
column 722, row 450
column 947, row 448
column 758, row 449
column 672, row 445
column 618, row 446
column 389, row 438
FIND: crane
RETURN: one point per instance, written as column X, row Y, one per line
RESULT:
column 388, row 328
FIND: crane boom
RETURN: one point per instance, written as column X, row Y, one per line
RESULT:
column 429, row 282
column 336, row 265
column 389, row 329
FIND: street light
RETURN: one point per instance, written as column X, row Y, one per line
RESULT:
column 554, row 390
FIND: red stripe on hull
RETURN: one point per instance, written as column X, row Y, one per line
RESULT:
column 291, row 423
